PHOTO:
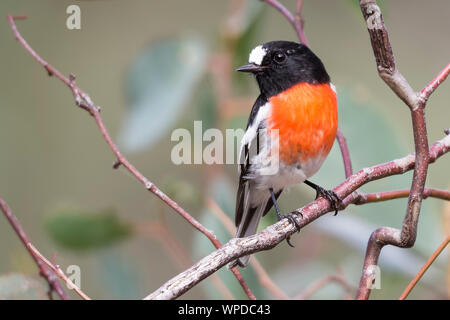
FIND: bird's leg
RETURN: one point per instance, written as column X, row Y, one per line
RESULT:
column 330, row 195
column 282, row 216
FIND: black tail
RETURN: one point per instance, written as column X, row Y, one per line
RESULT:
column 248, row 217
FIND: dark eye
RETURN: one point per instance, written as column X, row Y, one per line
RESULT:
column 279, row 57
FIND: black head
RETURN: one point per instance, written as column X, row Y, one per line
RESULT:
column 278, row 65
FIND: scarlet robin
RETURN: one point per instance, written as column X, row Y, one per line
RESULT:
column 290, row 131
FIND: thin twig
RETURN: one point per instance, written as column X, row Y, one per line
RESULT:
column 429, row 89
column 416, row 101
column 345, row 153
column 48, row 275
column 429, row 262
column 276, row 233
column 59, row 272
column 298, row 24
column 160, row 231
column 84, row 101
column 397, row 194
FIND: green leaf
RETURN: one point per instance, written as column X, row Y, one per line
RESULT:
column 160, row 84
column 79, row 231
column 118, row 276
column 21, row 287
column 182, row 191
column 249, row 31
column 237, row 122
column 205, row 105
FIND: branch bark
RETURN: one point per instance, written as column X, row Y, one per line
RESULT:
column 84, row 101
column 384, row 57
column 48, row 275
column 422, row 271
column 397, row 194
column 57, row 270
column 276, row 233
column 347, row 190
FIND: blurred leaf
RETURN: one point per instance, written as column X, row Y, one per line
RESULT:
column 223, row 193
column 446, row 224
column 182, row 191
column 77, row 230
column 160, row 84
column 249, row 33
column 21, row 287
column 119, row 276
column 205, row 105
column 237, row 122
column 247, row 40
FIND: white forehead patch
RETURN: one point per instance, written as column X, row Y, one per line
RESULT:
column 257, row 55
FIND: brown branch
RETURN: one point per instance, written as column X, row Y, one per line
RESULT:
column 160, row 231
column 57, row 270
column 429, row 89
column 85, row 102
column 345, row 153
column 48, row 275
column 424, row 268
column 262, row 274
column 397, row 194
column 388, row 71
column 297, row 22
column 276, row 233
column 262, row 241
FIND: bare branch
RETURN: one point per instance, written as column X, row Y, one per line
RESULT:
column 48, row 275
column 276, row 233
column 397, row 194
column 425, row 268
column 297, row 22
column 59, row 272
column 160, row 231
column 383, row 53
column 388, row 71
column 263, row 276
column 429, row 88
column 84, row 101
column 345, row 153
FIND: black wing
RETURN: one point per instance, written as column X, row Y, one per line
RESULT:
column 245, row 162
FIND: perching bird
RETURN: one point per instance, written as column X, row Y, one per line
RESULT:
column 298, row 100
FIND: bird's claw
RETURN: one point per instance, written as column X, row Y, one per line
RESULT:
column 332, row 197
column 291, row 218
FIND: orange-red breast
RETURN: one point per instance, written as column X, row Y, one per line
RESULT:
column 290, row 131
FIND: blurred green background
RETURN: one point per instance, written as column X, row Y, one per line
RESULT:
column 154, row 66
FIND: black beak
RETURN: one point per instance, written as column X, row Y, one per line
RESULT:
column 251, row 67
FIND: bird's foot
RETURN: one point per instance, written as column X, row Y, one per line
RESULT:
column 331, row 196
column 291, row 218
